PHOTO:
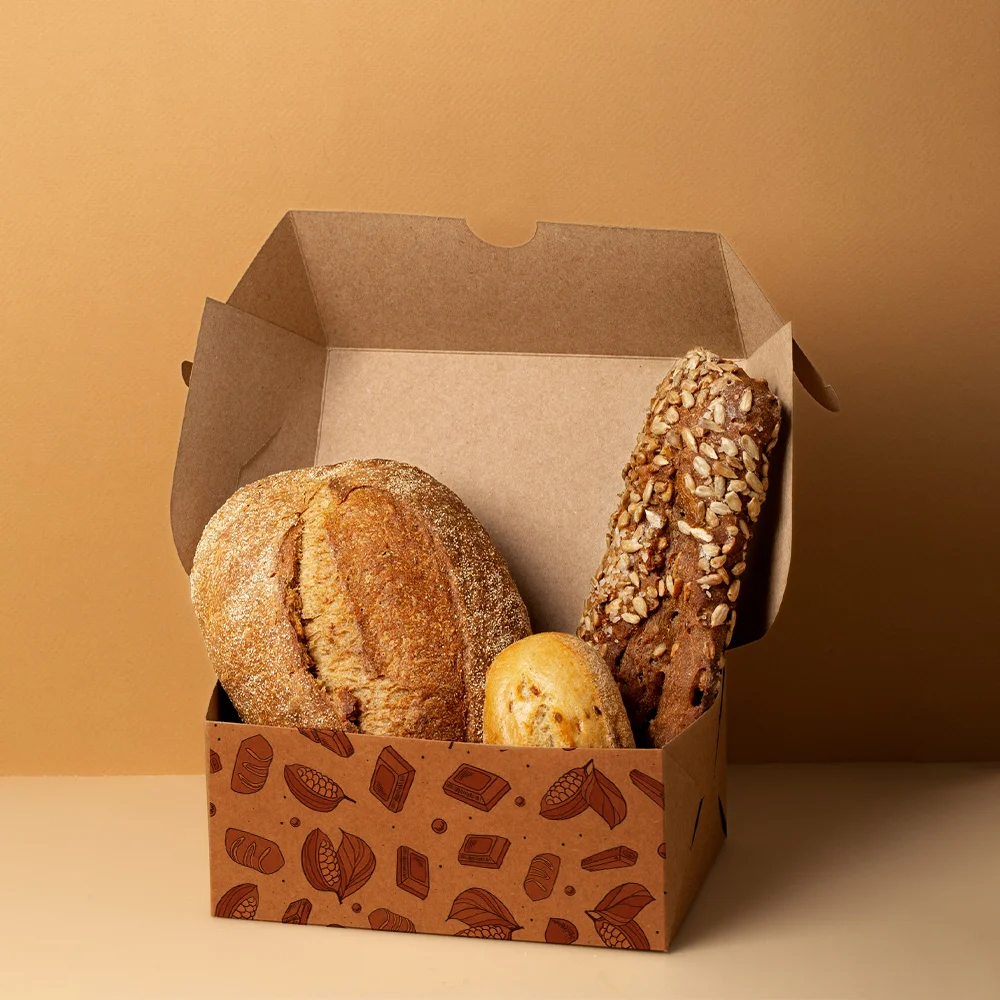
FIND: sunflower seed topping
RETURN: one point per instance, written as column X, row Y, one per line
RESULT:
column 719, row 615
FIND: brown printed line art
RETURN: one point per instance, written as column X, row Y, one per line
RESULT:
column 413, row 872
column 483, row 850
column 561, row 931
column 333, row 739
column 297, row 912
column 483, row 914
column 214, row 762
column 239, row 903
column 314, row 789
column 385, row 920
column 648, row 786
column 541, row 878
column 476, row 787
column 253, row 761
column 391, row 779
column 613, row 857
column 614, row 917
column 344, row 870
column 254, row 852
column 582, row 788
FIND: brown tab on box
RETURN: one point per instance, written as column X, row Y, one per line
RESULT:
column 613, row 857
column 391, row 779
column 483, row 850
column 413, row 873
column 476, row 787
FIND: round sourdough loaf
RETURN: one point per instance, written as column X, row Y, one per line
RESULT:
column 363, row 596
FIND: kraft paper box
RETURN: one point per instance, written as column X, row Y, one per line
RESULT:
column 519, row 377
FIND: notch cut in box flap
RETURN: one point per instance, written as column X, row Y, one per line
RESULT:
column 533, row 442
column 351, row 279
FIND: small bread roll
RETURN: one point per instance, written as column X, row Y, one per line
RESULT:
column 553, row 690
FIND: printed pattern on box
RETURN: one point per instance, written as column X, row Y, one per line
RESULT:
column 441, row 838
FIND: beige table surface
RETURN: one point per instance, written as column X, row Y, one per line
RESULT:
column 837, row 881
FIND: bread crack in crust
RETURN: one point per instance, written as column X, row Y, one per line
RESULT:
column 363, row 596
column 662, row 609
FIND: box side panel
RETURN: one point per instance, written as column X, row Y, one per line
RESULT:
column 252, row 409
column 695, row 821
column 757, row 318
column 363, row 831
column 770, row 552
column 276, row 286
column 418, row 282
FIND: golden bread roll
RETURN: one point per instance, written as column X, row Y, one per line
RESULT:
column 363, row 596
column 553, row 690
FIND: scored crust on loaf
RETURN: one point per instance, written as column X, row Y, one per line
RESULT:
column 662, row 608
column 361, row 596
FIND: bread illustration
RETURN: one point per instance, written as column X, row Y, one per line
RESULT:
column 541, row 878
column 255, row 852
column 253, row 761
column 385, row 920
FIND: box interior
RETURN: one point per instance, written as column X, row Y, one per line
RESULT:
column 517, row 376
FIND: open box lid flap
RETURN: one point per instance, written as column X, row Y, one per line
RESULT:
column 327, row 281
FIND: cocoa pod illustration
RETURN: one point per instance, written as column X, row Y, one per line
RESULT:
column 255, row 852
column 561, row 931
column 494, row 931
column 541, row 878
column 240, row 902
column 614, row 916
column 385, row 920
column 333, row 739
column 320, row 863
column 484, row 915
column 627, row 935
column 566, row 797
column 314, row 789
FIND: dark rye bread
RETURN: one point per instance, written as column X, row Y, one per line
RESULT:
column 363, row 596
column 663, row 605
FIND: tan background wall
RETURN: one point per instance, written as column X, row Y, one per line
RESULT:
column 848, row 151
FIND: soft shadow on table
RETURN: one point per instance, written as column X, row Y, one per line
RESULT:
column 796, row 826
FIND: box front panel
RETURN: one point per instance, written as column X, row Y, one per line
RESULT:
column 442, row 838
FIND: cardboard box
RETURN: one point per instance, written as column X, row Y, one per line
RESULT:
column 519, row 377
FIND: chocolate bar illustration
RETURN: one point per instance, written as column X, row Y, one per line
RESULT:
column 476, row 787
column 413, row 873
column 613, row 857
column 483, row 850
column 391, row 779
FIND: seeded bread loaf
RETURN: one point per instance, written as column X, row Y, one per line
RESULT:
column 363, row 597
column 662, row 608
